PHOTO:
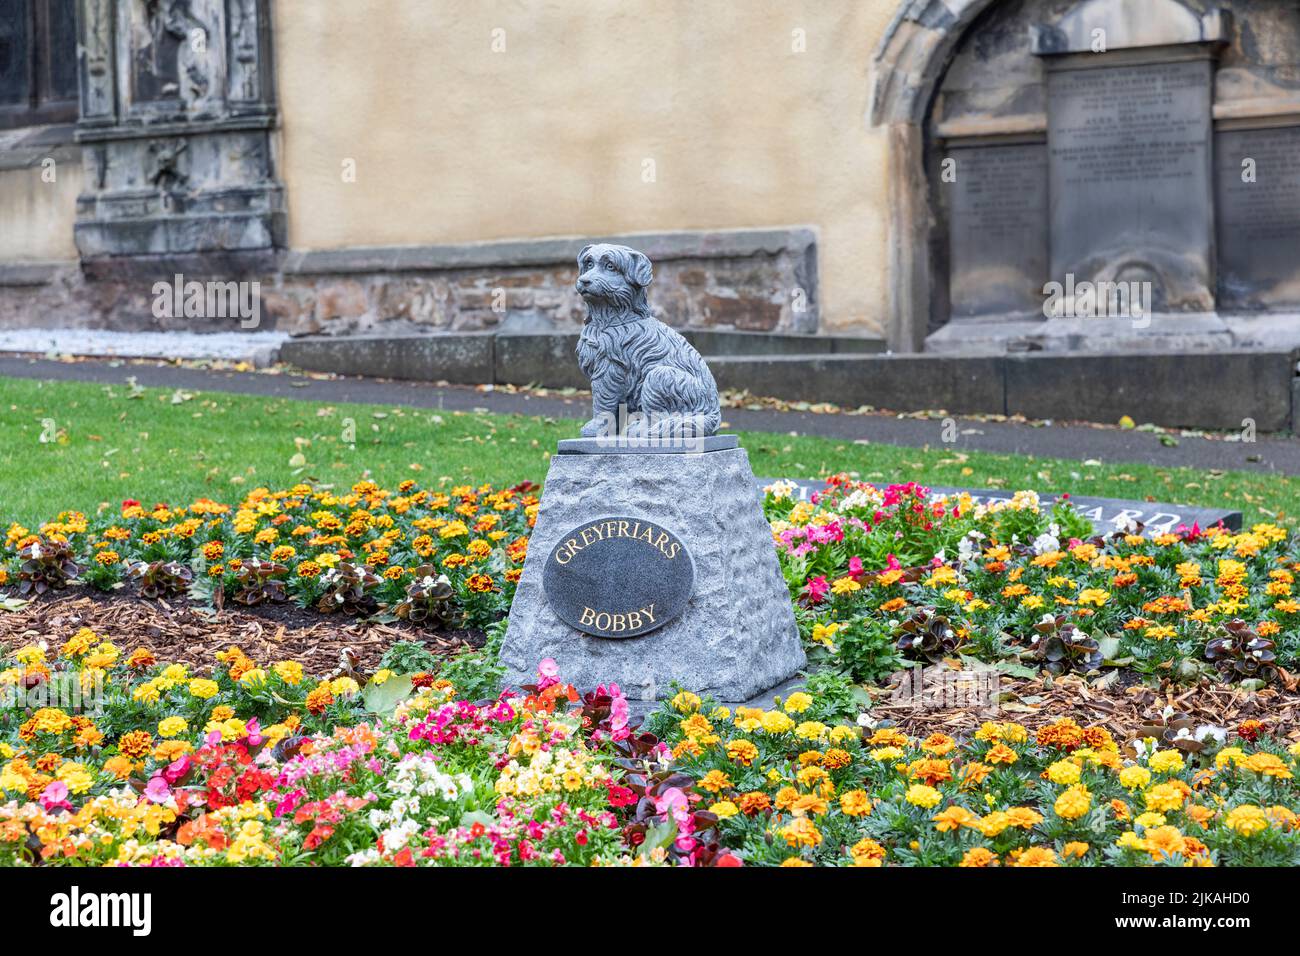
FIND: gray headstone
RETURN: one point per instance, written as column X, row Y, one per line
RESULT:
column 1130, row 174
column 1258, row 182
column 735, row 638
column 997, row 222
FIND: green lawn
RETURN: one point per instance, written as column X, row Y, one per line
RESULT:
column 105, row 443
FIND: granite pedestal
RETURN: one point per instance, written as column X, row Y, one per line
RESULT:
column 735, row 638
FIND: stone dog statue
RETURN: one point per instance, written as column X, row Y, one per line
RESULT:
column 633, row 359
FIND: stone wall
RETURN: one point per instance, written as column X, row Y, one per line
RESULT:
column 754, row 281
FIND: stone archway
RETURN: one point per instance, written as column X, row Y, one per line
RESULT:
column 909, row 66
column 1067, row 157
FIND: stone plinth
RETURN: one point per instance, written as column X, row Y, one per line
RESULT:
column 735, row 639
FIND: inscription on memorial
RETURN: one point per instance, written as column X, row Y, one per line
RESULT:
column 998, row 229
column 1258, row 183
column 1129, row 149
column 618, row 577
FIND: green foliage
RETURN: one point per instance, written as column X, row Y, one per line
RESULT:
column 477, row 673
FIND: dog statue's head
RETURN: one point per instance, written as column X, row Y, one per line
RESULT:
column 613, row 280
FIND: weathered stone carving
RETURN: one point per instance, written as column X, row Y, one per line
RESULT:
column 641, row 371
column 176, row 124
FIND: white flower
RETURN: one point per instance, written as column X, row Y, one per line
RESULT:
column 1124, row 524
column 1219, row 734
column 1045, row 543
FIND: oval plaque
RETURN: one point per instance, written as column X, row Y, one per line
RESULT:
column 618, row 577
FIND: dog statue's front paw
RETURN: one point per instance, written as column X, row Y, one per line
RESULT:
column 592, row 429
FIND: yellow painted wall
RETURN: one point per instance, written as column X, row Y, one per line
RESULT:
column 36, row 217
column 454, row 142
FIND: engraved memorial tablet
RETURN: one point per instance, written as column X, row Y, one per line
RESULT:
column 618, row 577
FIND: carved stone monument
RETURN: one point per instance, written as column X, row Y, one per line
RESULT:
column 177, row 113
column 651, row 562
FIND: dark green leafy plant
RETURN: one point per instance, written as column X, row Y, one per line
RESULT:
column 429, row 599
column 46, row 566
column 1061, row 647
column 927, row 635
column 161, row 579
column 348, row 588
column 256, row 582
column 1241, row 654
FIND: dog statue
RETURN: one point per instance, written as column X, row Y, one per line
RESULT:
column 635, row 362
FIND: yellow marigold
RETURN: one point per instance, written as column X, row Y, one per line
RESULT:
column 1164, row 797
column 715, row 781
column 1166, row 761
column 203, row 689
column 172, row 726
column 1075, row 849
column 918, row 794
column 801, row 831
column 775, row 722
column 798, row 702
column 855, row 803
column 1247, row 820
column 288, row 671
column 80, row 643
column 811, row 730
column 1073, row 803
column 867, row 853
column 1134, row 778
column 742, row 751
column 78, row 777
column 685, row 702
column 1035, row 856
column 953, row 818
column 979, row 856
column 724, row 809
column 1064, row 772
column 1001, row 753
column 1267, row 764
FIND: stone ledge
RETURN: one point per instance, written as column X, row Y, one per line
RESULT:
column 32, row 274
column 725, row 244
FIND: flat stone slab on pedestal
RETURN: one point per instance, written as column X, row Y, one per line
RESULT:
column 623, row 445
column 736, row 637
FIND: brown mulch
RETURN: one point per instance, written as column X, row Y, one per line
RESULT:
column 177, row 632
column 1121, row 710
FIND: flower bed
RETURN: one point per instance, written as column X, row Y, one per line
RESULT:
column 881, row 578
column 257, row 764
column 433, row 558
column 416, row 760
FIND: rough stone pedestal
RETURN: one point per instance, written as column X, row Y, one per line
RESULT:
column 736, row 638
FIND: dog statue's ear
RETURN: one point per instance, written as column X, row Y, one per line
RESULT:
column 583, row 254
column 639, row 270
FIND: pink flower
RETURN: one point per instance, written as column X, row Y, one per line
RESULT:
column 175, row 771
column 157, row 791
column 55, row 795
column 548, row 667
column 254, row 731
column 817, row 588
